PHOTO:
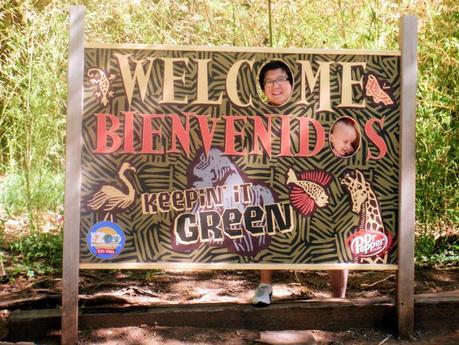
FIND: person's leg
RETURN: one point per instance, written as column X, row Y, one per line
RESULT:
column 266, row 277
column 262, row 296
column 338, row 282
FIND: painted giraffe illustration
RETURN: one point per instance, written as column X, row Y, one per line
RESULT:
column 366, row 205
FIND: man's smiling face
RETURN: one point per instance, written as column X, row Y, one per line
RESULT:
column 277, row 86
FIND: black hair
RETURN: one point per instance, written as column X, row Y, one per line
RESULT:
column 274, row 64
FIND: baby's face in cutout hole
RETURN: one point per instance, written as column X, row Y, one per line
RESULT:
column 343, row 139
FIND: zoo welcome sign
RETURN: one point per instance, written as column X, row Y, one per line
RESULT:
column 188, row 158
column 244, row 158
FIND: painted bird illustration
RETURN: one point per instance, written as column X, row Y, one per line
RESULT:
column 308, row 192
column 109, row 199
column 374, row 90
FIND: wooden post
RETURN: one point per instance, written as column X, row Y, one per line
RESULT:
column 71, row 254
column 406, row 224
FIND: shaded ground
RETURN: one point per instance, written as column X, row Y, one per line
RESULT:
column 187, row 335
column 149, row 288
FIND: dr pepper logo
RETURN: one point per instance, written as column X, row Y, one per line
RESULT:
column 367, row 243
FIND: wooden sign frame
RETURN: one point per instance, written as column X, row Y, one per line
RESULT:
column 71, row 265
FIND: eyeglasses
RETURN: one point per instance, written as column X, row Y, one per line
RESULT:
column 279, row 81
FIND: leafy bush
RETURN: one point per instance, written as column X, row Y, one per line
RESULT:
column 444, row 250
column 438, row 120
column 46, row 193
column 38, row 252
column 32, row 107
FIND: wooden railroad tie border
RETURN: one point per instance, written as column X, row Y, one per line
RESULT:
column 431, row 311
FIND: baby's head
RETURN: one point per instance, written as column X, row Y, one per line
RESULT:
column 344, row 137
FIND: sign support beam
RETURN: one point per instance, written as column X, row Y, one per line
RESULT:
column 73, row 179
column 407, row 192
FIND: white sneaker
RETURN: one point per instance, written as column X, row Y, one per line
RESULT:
column 262, row 295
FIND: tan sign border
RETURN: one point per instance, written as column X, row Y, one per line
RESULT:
column 243, row 49
column 226, row 266
column 249, row 266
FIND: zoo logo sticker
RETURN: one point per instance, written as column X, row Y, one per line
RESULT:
column 105, row 240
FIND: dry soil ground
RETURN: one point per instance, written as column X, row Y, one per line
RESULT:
column 149, row 288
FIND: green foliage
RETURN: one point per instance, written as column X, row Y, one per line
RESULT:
column 437, row 121
column 32, row 107
column 45, row 195
column 38, row 253
column 152, row 275
column 443, row 250
column 33, row 64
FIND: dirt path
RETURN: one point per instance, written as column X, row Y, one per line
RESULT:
column 146, row 335
column 150, row 288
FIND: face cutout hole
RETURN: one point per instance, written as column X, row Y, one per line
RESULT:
column 275, row 83
column 344, row 137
